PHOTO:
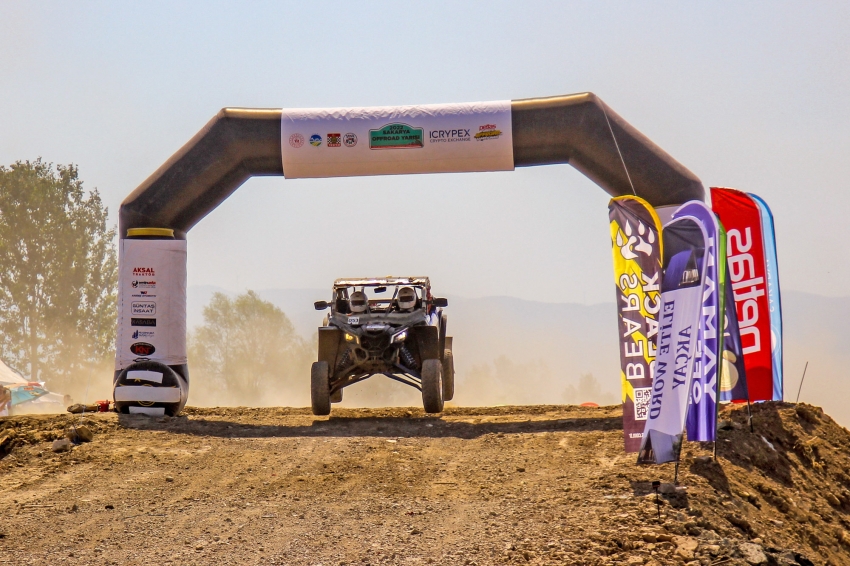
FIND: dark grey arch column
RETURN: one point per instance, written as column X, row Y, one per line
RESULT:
column 239, row 143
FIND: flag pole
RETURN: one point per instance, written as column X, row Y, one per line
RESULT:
column 801, row 382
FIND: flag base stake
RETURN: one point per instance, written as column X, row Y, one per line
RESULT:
column 750, row 415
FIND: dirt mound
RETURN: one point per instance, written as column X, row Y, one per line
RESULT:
column 493, row 485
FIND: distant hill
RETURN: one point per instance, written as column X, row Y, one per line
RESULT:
column 510, row 350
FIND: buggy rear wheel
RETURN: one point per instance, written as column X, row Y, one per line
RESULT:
column 320, row 389
column 432, row 386
column 448, row 376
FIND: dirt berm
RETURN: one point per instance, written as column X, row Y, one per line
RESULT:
column 501, row 485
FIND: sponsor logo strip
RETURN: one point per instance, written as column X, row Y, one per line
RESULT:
column 446, row 134
column 145, row 375
column 146, row 393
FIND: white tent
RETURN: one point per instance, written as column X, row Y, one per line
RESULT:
column 8, row 375
column 50, row 403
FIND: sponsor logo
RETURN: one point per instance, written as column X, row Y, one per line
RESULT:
column 144, row 272
column 396, row 136
column 488, row 132
column 353, row 320
column 349, row 139
column 449, row 136
column 142, row 322
column 635, row 243
column 747, row 288
column 143, row 295
column 143, row 334
column 315, row 140
column 143, row 307
column 296, row 140
column 143, row 284
column 334, row 140
column 142, row 349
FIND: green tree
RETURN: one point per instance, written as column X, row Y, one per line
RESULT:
column 247, row 353
column 58, row 276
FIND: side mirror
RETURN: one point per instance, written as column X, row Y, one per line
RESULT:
column 320, row 305
column 440, row 302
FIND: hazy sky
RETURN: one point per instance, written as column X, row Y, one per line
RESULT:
column 748, row 95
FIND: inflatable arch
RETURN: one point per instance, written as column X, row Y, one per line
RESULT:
column 151, row 374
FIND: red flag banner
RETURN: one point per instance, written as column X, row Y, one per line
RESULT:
column 748, row 275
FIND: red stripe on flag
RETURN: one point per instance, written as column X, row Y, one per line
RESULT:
column 747, row 272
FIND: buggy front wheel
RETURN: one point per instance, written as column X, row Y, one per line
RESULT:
column 448, row 376
column 432, row 386
column 320, row 389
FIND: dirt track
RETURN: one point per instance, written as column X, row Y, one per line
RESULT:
column 540, row 485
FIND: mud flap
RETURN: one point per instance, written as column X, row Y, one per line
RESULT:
column 427, row 342
column 329, row 339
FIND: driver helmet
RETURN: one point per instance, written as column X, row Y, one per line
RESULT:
column 406, row 298
column 358, row 302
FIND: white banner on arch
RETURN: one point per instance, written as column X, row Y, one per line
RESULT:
column 396, row 140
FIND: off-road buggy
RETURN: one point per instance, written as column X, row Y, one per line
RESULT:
column 391, row 326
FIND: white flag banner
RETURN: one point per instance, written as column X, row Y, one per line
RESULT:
column 151, row 302
column 395, row 140
column 678, row 327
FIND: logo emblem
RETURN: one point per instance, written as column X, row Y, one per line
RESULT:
column 334, row 140
column 349, row 139
column 142, row 349
column 296, row 140
column 315, row 140
column 143, row 307
column 634, row 243
column 449, row 136
column 142, row 322
column 488, row 132
column 396, row 136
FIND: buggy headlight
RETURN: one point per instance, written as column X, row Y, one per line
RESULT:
column 352, row 338
column 400, row 336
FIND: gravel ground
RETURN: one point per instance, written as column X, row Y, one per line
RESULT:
column 474, row 486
